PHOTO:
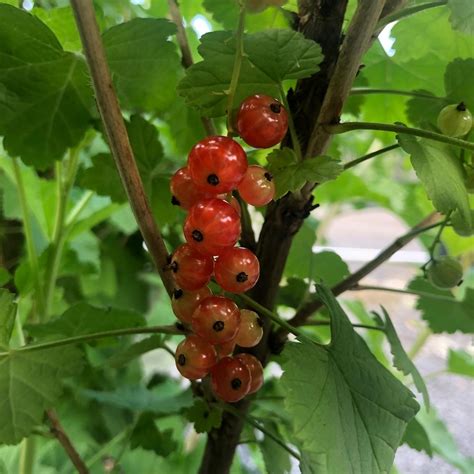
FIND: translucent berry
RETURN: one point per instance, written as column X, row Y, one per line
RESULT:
column 445, row 272
column 195, row 357
column 455, row 120
column 216, row 319
column 250, row 330
column 191, row 269
column 185, row 302
column 185, row 192
column 257, row 188
column 262, row 121
column 230, row 379
column 256, row 371
column 237, row 269
column 226, row 348
column 217, row 164
column 212, row 226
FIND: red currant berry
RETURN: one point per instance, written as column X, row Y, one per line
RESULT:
column 250, row 330
column 185, row 192
column 257, row 188
column 262, row 121
column 185, row 302
column 216, row 319
column 212, row 226
column 191, row 269
column 217, row 164
column 256, row 371
column 230, row 379
column 237, row 270
column 225, row 349
column 195, row 357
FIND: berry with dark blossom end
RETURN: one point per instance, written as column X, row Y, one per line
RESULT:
column 195, row 357
column 230, row 379
column 184, row 192
column 445, row 272
column 237, row 270
column 256, row 371
column 216, row 320
column 262, row 121
column 191, row 269
column 217, row 164
column 455, row 120
column 257, row 188
column 212, row 226
column 185, row 302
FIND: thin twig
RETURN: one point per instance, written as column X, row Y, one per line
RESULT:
column 186, row 56
column 361, row 326
column 424, row 294
column 408, row 12
column 355, row 162
column 371, row 90
column 118, row 138
column 63, row 438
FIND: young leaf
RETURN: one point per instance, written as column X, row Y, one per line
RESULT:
column 204, row 417
column 347, row 408
column 461, row 362
column 290, row 174
column 146, row 435
column 45, row 96
column 417, row 438
column 7, row 316
column 440, row 172
column 401, row 359
column 144, row 63
column 277, row 460
column 119, row 359
column 84, row 319
column 30, row 382
column 444, row 316
column 271, row 57
column 462, row 16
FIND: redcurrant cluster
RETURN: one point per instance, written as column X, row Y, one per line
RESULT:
column 216, row 167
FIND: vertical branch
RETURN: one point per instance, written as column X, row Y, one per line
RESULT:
column 118, row 138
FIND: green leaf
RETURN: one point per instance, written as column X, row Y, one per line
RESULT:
column 348, row 410
column 30, row 382
column 293, row 293
column 442, row 441
column 444, row 316
column 45, row 95
column 271, row 57
column 455, row 84
column 226, row 13
column 401, row 359
column 462, row 16
column 440, row 172
column 5, row 276
column 300, row 259
column 144, row 63
column 146, row 435
column 277, row 460
column 417, row 438
column 119, row 359
column 424, row 112
column 204, row 417
column 7, row 316
column 83, row 319
column 290, row 174
column 461, row 362
column 329, row 268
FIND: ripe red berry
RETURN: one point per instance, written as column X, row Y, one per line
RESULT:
column 262, row 121
column 185, row 192
column 191, row 269
column 257, row 188
column 212, row 226
column 250, row 330
column 185, row 302
column 230, row 379
column 216, row 319
column 225, row 349
column 217, row 164
column 256, row 371
column 195, row 357
column 237, row 270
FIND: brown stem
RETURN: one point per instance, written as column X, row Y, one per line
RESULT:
column 186, row 56
column 58, row 431
column 352, row 280
column 118, row 138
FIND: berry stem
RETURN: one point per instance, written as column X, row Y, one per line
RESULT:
column 291, row 125
column 437, row 238
column 369, row 90
column 239, row 54
column 398, row 15
column 424, row 294
column 355, row 162
column 362, row 326
column 385, row 127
